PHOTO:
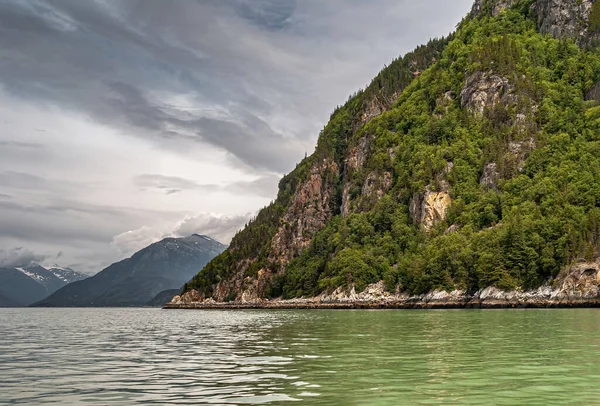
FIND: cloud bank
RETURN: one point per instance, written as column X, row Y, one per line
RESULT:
column 140, row 115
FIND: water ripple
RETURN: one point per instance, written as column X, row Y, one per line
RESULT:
column 150, row 356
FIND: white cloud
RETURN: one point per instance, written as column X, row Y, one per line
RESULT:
column 220, row 227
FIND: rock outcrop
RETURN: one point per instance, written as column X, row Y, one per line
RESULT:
column 559, row 18
column 565, row 19
column 484, row 90
column 496, row 7
column 429, row 208
column 489, row 177
column 309, row 212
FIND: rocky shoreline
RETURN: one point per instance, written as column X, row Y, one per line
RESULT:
column 579, row 287
column 488, row 299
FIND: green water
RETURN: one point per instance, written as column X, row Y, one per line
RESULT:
column 147, row 356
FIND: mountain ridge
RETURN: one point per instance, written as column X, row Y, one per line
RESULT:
column 21, row 286
column 165, row 264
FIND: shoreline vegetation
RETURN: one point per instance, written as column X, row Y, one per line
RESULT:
column 580, row 287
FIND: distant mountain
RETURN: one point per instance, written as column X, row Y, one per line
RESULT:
column 166, row 264
column 23, row 286
column 7, row 301
column 163, row 297
column 67, row 275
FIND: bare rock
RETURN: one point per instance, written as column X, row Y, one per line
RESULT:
column 372, row 110
column 489, row 177
column 520, row 150
column 308, row 214
column 376, row 185
column 497, row 7
column 429, row 208
column 358, row 154
column 485, row 90
column 565, row 18
column 191, row 296
column 354, row 162
column 582, row 280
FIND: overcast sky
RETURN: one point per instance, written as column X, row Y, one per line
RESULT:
column 125, row 121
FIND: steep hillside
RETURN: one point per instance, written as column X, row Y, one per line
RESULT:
column 473, row 161
column 166, row 264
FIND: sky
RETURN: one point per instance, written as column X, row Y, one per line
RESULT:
column 126, row 121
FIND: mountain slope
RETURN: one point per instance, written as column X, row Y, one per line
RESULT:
column 163, row 297
column 472, row 162
column 22, row 286
column 167, row 264
column 7, row 301
column 67, row 275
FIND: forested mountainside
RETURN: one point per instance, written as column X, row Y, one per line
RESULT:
column 473, row 161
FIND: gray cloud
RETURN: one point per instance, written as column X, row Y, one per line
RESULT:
column 18, row 144
column 19, row 257
column 221, row 228
column 196, row 100
column 242, row 63
column 171, row 184
column 264, row 186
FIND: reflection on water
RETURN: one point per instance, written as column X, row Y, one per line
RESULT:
column 146, row 356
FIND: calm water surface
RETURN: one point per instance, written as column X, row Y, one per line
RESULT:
column 151, row 356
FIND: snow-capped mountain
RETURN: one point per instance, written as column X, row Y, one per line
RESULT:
column 67, row 275
column 21, row 286
column 166, row 264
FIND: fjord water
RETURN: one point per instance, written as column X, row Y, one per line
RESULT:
column 152, row 356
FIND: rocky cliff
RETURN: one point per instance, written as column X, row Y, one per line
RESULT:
column 464, row 166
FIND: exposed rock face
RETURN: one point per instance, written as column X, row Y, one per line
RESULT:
column 191, row 296
column 582, row 281
column 309, row 213
column 490, row 176
column 485, row 90
column 429, row 208
column 565, row 18
column 358, row 155
column 497, row 7
column 560, row 18
column 377, row 185
column 373, row 109
column 518, row 150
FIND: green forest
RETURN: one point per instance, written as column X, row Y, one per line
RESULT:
column 540, row 212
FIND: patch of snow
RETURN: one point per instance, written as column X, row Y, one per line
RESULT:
column 32, row 275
